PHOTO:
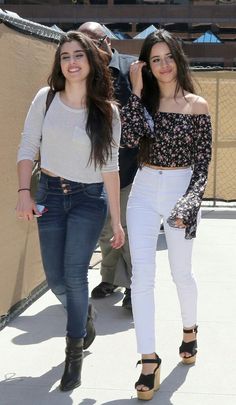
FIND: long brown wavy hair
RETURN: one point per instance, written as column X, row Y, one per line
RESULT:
column 99, row 95
column 151, row 92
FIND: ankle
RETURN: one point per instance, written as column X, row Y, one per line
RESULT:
column 149, row 356
column 190, row 334
column 189, row 337
column 149, row 367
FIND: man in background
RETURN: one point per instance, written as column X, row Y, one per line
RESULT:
column 116, row 269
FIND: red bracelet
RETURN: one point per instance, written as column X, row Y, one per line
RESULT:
column 22, row 189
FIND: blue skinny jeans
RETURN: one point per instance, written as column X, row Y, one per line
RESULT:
column 68, row 233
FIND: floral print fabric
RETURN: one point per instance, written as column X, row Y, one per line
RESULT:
column 177, row 140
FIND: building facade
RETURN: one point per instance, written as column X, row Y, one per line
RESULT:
column 189, row 19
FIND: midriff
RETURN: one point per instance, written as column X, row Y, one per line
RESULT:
column 165, row 168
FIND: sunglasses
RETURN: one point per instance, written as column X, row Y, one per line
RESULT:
column 100, row 41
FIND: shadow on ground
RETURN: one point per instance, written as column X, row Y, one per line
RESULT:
column 46, row 386
column 51, row 321
column 168, row 387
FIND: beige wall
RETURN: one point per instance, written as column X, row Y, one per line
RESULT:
column 219, row 88
column 24, row 67
column 25, row 63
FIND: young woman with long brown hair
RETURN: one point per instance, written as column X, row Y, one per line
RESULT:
column 78, row 140
column 172, row 127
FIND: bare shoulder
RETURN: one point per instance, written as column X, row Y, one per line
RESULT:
column 198, row 104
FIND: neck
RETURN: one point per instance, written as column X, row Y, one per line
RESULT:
column 167, row 90
column 75, row 94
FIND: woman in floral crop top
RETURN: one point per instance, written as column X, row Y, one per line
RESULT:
column 172, row 128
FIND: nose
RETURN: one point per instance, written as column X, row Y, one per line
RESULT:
column 72, row 59
column 164, row 62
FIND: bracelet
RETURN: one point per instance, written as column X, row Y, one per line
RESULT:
column 22, row 189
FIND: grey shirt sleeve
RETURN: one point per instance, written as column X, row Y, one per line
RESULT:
column 32, row 132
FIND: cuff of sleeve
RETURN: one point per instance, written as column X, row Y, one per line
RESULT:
column 187, row 210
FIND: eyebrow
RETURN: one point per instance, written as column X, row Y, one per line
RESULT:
column 158, row 56
column 77, row 51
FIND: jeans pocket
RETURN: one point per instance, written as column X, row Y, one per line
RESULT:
column 41, row 194
column 94, row 190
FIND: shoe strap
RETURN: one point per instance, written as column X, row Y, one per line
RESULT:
column 149, row 361
column 189, row 347
column 194, row 330
column 147, row 380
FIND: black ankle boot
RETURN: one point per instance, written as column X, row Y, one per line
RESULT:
column 73, row 364
column 90, row 328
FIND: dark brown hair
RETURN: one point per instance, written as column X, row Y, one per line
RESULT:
column 98, row 98
column 151, row 91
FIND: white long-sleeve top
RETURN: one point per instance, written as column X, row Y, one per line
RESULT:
column 62, row 139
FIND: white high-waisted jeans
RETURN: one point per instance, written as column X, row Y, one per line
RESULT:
column 153, row 195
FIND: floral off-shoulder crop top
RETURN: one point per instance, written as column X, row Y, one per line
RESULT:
column 177, row 140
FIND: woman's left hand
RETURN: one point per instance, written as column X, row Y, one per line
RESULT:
column 179, row 223
column 118, row 238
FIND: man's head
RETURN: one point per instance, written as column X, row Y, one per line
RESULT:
column 96, row 32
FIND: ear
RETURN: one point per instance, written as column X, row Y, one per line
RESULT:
column 108, row 41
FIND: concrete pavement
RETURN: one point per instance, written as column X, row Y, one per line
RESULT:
column 32, row 345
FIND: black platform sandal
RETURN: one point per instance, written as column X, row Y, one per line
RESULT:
column 151, row 381
column 189, row 347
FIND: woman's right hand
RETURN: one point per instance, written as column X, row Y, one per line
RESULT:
column 118, row 239
column 136, row 77
column 26, row 206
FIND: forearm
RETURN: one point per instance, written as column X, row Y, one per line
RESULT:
column 25, row 206
column 24, row 169
column 112, row 185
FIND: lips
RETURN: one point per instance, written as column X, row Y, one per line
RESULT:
column 164, row 72
column 73, row 70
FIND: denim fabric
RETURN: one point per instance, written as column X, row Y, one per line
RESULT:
column 68, row 234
